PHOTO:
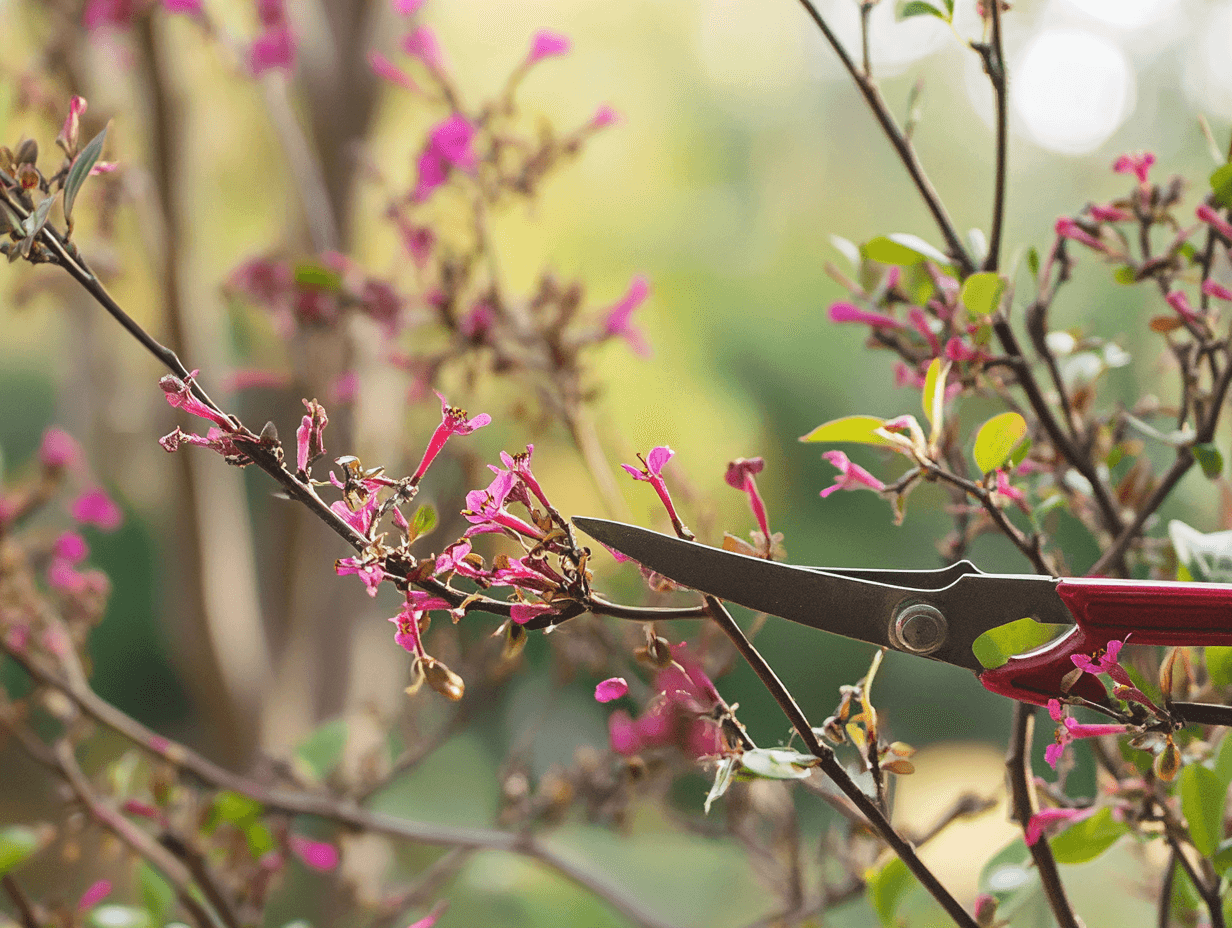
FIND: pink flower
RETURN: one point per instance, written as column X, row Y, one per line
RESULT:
column 448, row 146
column 547, row 44
column 345, row 388
column 1219, row 291
column 310, row 436
column 1215, row 220
column 430, row 919
column 71, row 547
column 907, row 376
column 407, row 7
column 94, row 895
column 95, row 507
column 1072, row 730
column 851, row 476
column 919, row 319
column 421, row 43
column 1068, row 228
column 274, row 48
column 849, row 312
column 316, row 854
column 958, row 350
column 655, row 463
column 1012, row 493
column 255, row 378
column 59, row 450
column 519, row 464
column 1179, row 301
column 408, row 617
column 1108, row 213
column 740, row 476
column 109, row 13
column 182, row 6
column 611, row 689
column 370, row 575
column 477, row 323
column 1138, row 164
column 616, row 322
column 69, row 136
column 418, row 241
column 623, row 733
column 384, row 68
column 453, row 422
column 485, row 510
column 1046, row 818
column 521, row 613
column 179, row 394
column 604, row 116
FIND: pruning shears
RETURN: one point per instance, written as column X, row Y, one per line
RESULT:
column 939, row 614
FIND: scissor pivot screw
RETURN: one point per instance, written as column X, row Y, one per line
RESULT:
column 919, row 628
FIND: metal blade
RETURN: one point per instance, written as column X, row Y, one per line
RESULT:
column 859, row 604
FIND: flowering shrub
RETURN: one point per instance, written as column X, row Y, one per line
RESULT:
column 213, row 846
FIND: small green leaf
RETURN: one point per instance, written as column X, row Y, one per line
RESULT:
column 997, row 439
column 17, row 842
column 1087, row 839
column 34, row 223
column 1021, row 450
column 920, row 8
column 885, row 887
column 998, row 645
column 80, row 170
column 1209, row 459
column 319, row 753
column 934, row 393
column 777, row 763
column 857, row 429
column 1125, row 275
column 1219, row 667
column 981, row 293
column 903, row 249
column 1223, row 757
column 918, row 284
column 118, row 916
column 1033, row 264
column 236, row 808
column 1202, row 806
column 317, row 277
column 1223, row 856
column 260, row 839
column 157, row 895
column 1221, row 185
column 722, row 780
column 424, row 520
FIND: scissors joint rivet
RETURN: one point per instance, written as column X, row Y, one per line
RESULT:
column 918, row 628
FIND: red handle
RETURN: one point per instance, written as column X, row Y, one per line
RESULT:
column 1104, row 610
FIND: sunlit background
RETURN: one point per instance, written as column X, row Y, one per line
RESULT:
column 743, row 149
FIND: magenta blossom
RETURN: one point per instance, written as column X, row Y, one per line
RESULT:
column 617, row 321
column 604, row 116
column 1071, row 730
column 1046, row 818
column 1138, row 164
column 316, row 854
column 453, row 422
column 485, row 510
column 1068, row 228
column 1010, row 492
column 519, row 464
column 409, row 616
column 1179, row 301
column 521, row 613
column 448, row 146
column 740, row 476
column 179, row 394
column 421, row 43
column 94, row 895
column 851, row 476
column 407, row 7
column 95, row 507
column 679, row 715
column 611, row 689
column 273, row 49
column 1108, row 213
column 1219, row 291
column 360, row 519
column 70, row 133
column 418, row 241
column 1216, row 221
column 652, row 473
column 849, row 312
column 310, row 436
column 919, row 319
column 431, row 918
column 383, row 68
column 71, row 547
column 59, row 450
column 370, row 575
column 547, row 44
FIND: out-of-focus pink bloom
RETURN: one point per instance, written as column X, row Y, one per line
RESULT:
column 1137, row 163
column 907, row 376
column 59, row 450
column 1068, row 228
column 179, row 394
column 117, row 14
column 851, row 476
column 182, row 6
column 319, row 855
column 1046, row 818
column 448, row 146
column 453, row 422
column 421, row 43
column 679, row 716
column 1179, row 301
column 103, row 167
column 604, row 116
column 262, row 280
column 611, row 689
column 418, row 240
column 384, row 68
column 477, row 323
column 1215, row 220
column 616, row 323
column 740, row 476
column 430, row 919
column 1219, row 291
column 275, row 46
column 70, row 132
column 370, row 575
column 622, row 733
column 1108, row 213
column 521, row 613
column 71, row 547
column 94, row 895
column 345, row 388
column 1010, row 492
column 547, row 44
column 95, row 507
column 922, row 324
column 407, row 7
column 958, row 350
column 849, row 312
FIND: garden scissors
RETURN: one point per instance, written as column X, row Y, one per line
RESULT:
column 940, row 613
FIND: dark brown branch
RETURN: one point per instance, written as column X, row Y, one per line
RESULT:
column 994, row 64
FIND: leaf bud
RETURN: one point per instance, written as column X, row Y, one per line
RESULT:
column 27, row 152
column 442, row 679
column 1168, row 762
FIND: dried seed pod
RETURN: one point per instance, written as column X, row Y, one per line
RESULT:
column 27, row 152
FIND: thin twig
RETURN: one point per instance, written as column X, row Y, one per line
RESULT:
column 994, row 64
column 25, row 908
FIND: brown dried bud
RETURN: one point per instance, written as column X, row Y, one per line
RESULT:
column 27, row 152
column 1168, row 763
column 442, row 679
column 28, row 176
column 832, row 730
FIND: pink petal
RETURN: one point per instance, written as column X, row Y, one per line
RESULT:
column 547, row 44
column 604, row 116
column 430, row 919
column 384, row 68
column 658, row 458
column 623, row 733
column 1219, row 291
column 521, row 613
column 316, row 854
column 95, row 507
column 93, row 895
column 611, row 689
column 421, row 43
column 71, row 547
column 407, row 7
column 849, row 312
column 182, row 6
column 58, row 450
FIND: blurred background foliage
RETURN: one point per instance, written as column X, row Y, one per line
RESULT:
column 743, row 149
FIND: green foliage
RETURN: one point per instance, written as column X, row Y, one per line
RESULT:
column 317, row 277
column 902, row 249
column 777, row 763
column 997, row 439
column 17, row 842
column 424, row 521
column 912, row 8
column 981, row 293
column 80, row 170
column 1087, row 839
column 1202, row 805
column 856, row 429
column 885, row 887
column 157, row 895
column 318, row 754
column 1209, row 459
column 998, row 645
column 1221, row 185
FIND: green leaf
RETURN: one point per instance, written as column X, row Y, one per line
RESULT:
column 1223, row 856
column 918, row 284
column 1219, row 666
column 1008, row 871
column 997, row 439
column 1221, row 185
column 1207, row 557
column 1125, row 275
column 934, row 393
column 777, row 763
column 236, row 808
column 157, row 895
column 857, row 429
column 319, row 753
column 17, row 842
column 981, row 293
column 1202, row 806
column 998, row 645
column 1020, row 452
column 260, row 840
column 1223, row 758
column 1033, row 264
column 920, row 8
column 424, row 521
column 118, row 916
column 885, row 887
column 722, row 780
column 1209, row 459
column 34, row 223
column 1087, row 839
column 317, row 277
column 903, row 249
column 80, row 170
